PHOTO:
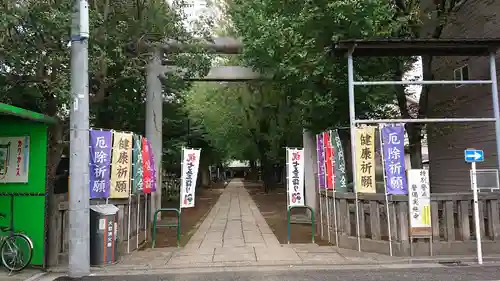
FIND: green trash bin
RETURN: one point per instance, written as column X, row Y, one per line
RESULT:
column 103, row 234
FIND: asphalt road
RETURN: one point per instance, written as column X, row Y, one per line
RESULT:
column 422, row 274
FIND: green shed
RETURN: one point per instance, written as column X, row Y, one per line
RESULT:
column 23, row 175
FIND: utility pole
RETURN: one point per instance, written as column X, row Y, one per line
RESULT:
column 154, row 123
column 79, row 248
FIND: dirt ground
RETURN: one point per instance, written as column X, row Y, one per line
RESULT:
column 273, row 207
column 191, row 218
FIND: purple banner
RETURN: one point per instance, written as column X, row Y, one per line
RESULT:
column 153, row 167
column 393, row 147
column 100, row 160
column 320, row 149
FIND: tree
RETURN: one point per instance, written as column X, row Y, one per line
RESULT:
column 292, row 41
column 432, row 17
column 246, row 121
column 35, row 60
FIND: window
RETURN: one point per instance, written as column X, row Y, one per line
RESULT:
column 461, row 74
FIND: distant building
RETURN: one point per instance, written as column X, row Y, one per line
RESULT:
column 448, row 171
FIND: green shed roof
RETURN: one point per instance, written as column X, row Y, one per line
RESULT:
column 7, row 109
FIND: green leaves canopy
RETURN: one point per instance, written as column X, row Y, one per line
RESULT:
column 292, row 41
column 35, row 59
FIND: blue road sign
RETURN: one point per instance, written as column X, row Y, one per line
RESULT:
column 474, row 155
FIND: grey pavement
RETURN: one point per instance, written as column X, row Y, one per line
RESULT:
column 408, row 274
column 235, row 221
column 20, row 276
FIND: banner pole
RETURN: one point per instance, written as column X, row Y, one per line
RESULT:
column 356, row 199
column 182, row 178
column 287, row 175
column 328, row 229
column 130, row 185
column 129, row 220
column 334, row 212
column 319, row 189
column 145, row 217
column 137, row 220
column 389, row 234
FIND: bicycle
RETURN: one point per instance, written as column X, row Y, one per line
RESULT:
column 16, row 249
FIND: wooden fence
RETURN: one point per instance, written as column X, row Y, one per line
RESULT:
column 451, row 216
column 58, row 230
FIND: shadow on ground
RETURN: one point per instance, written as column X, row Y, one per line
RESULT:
column 205, row 199
column 272, row 206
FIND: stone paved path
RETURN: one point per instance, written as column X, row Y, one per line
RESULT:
column 236, row 234
column 234, row 221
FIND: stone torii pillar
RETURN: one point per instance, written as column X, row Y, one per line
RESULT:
column 154, row 97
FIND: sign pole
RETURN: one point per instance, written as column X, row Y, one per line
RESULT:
column 476, row 214
column 472, row 156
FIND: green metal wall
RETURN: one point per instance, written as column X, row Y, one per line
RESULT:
column 29, row 211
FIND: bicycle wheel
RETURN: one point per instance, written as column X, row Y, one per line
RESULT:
column 16, row 252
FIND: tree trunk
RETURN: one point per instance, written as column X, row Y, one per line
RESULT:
column 413, row 130
column 267, row 175
column 415, row 145
column 253, row 174
column 205, row 177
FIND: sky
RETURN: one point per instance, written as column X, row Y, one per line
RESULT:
column 415, row 73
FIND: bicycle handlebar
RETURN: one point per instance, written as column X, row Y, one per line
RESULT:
column 2, row 215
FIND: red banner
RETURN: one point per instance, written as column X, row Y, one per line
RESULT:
column 328, row 160
column 146, row 167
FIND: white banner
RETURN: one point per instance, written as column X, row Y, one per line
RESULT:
column 14, row 159
column 295, row 180
column 190, row 165
column 419, row 198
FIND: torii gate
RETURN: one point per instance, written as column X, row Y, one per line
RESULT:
column 154, row 99
column 154, row 96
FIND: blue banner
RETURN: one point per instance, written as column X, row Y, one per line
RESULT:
column 393, row 147
column 100, row 161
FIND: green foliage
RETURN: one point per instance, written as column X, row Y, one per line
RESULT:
column 35, row 62
column 292, row 41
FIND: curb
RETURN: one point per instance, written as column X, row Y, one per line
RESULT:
column 260, row 268
column 281, row 266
